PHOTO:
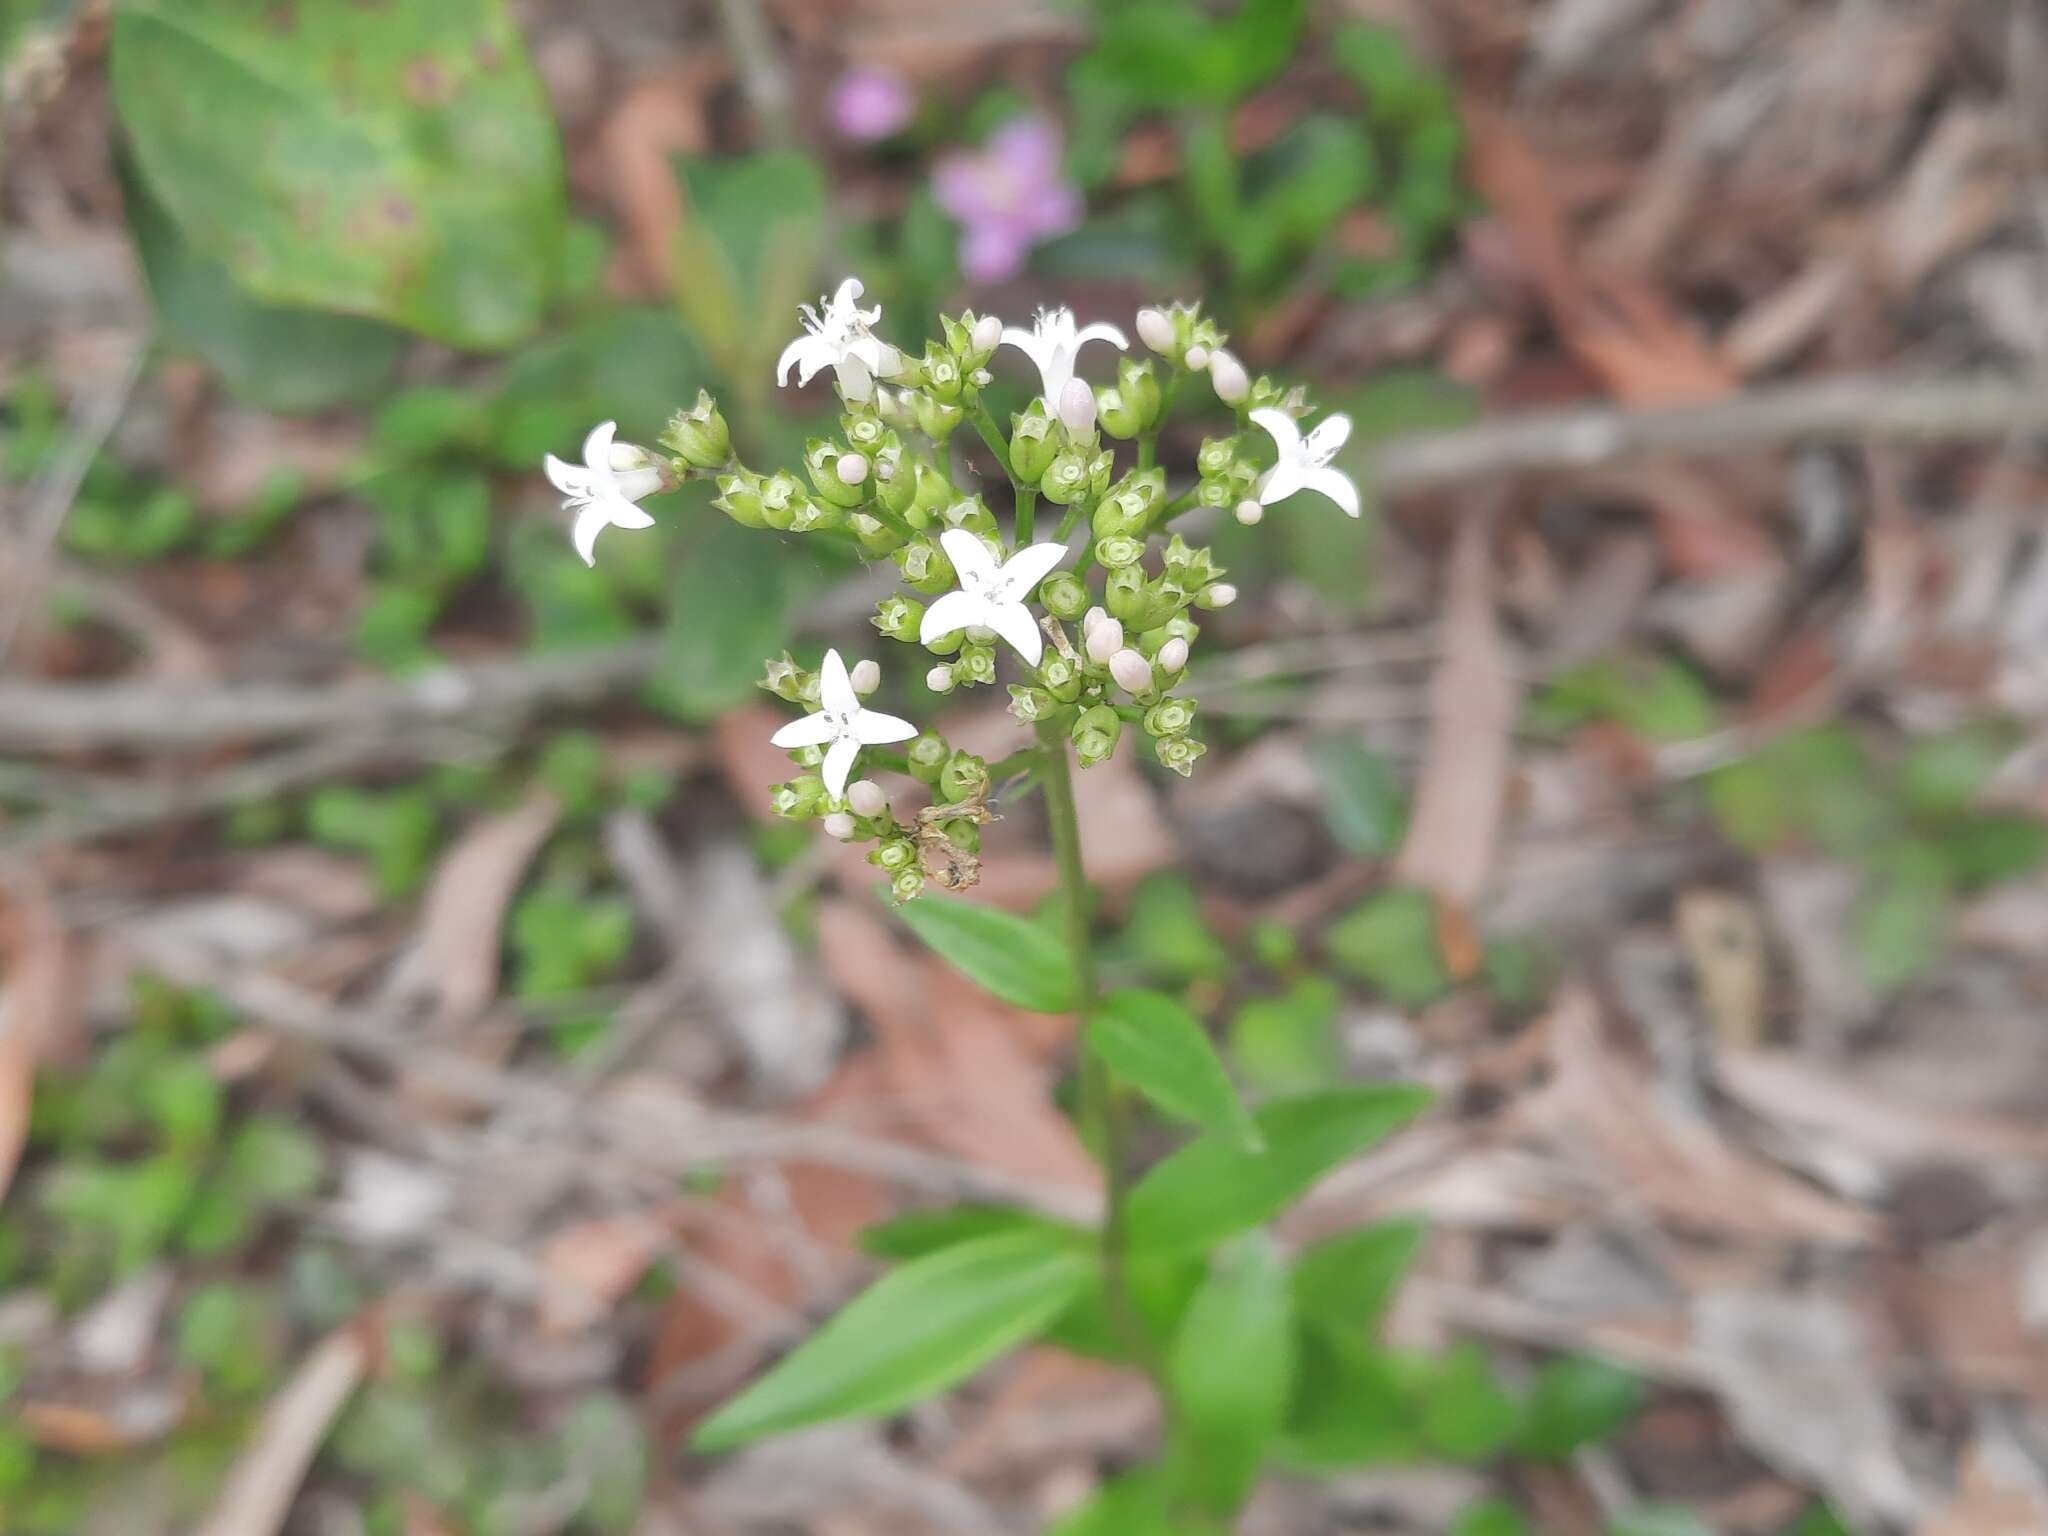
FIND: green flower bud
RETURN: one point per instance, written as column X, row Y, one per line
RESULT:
column 925, row 566
column 947, row 645
column 876, row 537
column 1138, row 383
column 1120, row 513
column 1217, row 456
column 1149, row 484
column 933, row 491
column 895, row 482
column 739, row 498
column 1115, row 416
column 1217, row 494
column 800, row 799
column 1031, row 704
column 939, row 375
column 898, row 617
column 821, row 462
column 1062, row 679
column 963, row 834
column 1170, row 717
column 1178, row 753
column 782, row 677
column 809, row 515
column 1065, row 480
column 908, row 885
column 1120, row 551
column 867, row 434
column 1180, row 627
column 1100, row 468
column 1032, row 447
column 935, row 418
column 780, row 495
column 1163, row 599
column 977, row 664
column 1064, row 594
column 973, row 514
column 1096, row 734
column 895, row 853
column 1124, row 593
column 1267, row 395
column 927, row 756
column 963, row 777
column 699, row 436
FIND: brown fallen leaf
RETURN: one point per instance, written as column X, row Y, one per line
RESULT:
column 34, row 1004
column 661, row 116
column 1473, row 698
column 1724, row 940
column 591, row 1265
column 265, row 1479
column 1994, row 1497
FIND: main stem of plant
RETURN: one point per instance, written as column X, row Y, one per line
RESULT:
column 1103, row 1110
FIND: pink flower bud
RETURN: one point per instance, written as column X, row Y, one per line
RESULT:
column 840, row 825
column 987, row 334
column 939, row 679
column 852, row 468
column 1221, row 595
column 1091, row 618
column 1197, row 357
column 866, row 676
column 1249, row 512
column 1155, row 328
column 1104, row 641
column 1173, row 655
column 1133, row 673
column 865, row 798
column 1077, row 407
column 1228, row 375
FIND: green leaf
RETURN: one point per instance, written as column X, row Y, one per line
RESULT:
column 1467, row 1415
column 746, row 253
column 1576, row 1401
column 283, row 358
column 1899, row 930
column 1229, row 1374
column 1362, row 796
column 605, row 1449
column 918, row 1233
column 1020, row 961
column 1131, row 1505
column 1347, row 1282
column 1288, row 1043
column 1389, row 942
column 1213, row 1189
column 726, row 614
column 397, row 161
column 1659, row 1520
column 915, row 1332
column 1490, row 1517
column 1159, row 1048
column 1356, row 1404
column 1166, row 936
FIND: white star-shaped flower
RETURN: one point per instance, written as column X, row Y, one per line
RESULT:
column 1305, row 461
column 1055, row 345
column 841, row 726
column 837, row 335
column 992, row 596
column 605, row 486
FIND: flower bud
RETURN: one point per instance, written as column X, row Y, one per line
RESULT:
column 852, row 468
column 1156, row 329
column 927, row 756
column 1030, row 704
column 841, row 826
column 925, row 566
column 936, row 419
column 1196, row 357
column 972, row 513
column 1099, row 470
column 940, row 374
column 987, row 335
column 1125, row 512
column 809, row 515
column 963, row 834
column 1119, row 550
column 895, row 484
column 1170, row 717
column 1077, row 407
column 864, row 432
column 1227, row 374
column 864, row 797
column 898, row 617
column 1065, row 479
column 977, row 664
column 782, row 677
column 780, row 497
column 963, row 777
column 1173, row 656
column 1116, row 416
column 1138, row 382
column 1124, row 593
column 1250, row 512
column 1102, row 639
column 893, row 406
column 866, row 676
column 699, row 436
column 1031, row 447
column 800, row 798
column 1095, row 735
column 1215, row 457
column 1064, row 595
column 933, row 491
column 1178, row 753
column 1219, row 594
column 1217, row 494
column 894, row 854
column 939, row 679
column 908, row 885
column 1133, row 673
column 1061, row 677
column 739, row 498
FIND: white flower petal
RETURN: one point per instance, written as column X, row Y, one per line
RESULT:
column 1334, row 484
column 1282, row 429
column 1101, row 330
column 1024, row 570
column 1332, row 434
column 1014, row 623
column 970, row 557
column 848, row 294
column 871, row 729
column 571, row 480
column 597, row 448
column 595, row 517
column 793, row 354
column 839, row 764
column 1280, row 482
column 953, row 612
column 811, row 731
column 835, row 688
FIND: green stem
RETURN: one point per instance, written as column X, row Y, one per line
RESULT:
column 1071, row 520
column 1148, row 448
column 896, row 522
column 985, row 424
column 1027, row 514
column 1103, row 1108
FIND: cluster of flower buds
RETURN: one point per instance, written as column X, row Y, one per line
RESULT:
column 1102, row 624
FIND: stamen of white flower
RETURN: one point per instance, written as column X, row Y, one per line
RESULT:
column 836, row 332
column 991, row 596
column 841, row 725
column 1305, row 461
column 1055, row 345
column 602, row 490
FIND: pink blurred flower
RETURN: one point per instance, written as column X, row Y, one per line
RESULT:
column 871, row 104
column 1008, row 197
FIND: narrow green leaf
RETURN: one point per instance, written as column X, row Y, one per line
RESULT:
column 917, row 1233
column 1576, row 1401
column 1131, row 1505
column 915, row 1332
column 1347, row 1281
column 1356, row 1404
column 1230, row 1374
column 1468, row 1415
column 1213, row 1189
column 1020, row 961
column 1490, row 1517
column 1363, row 799
column 1159, row 1048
